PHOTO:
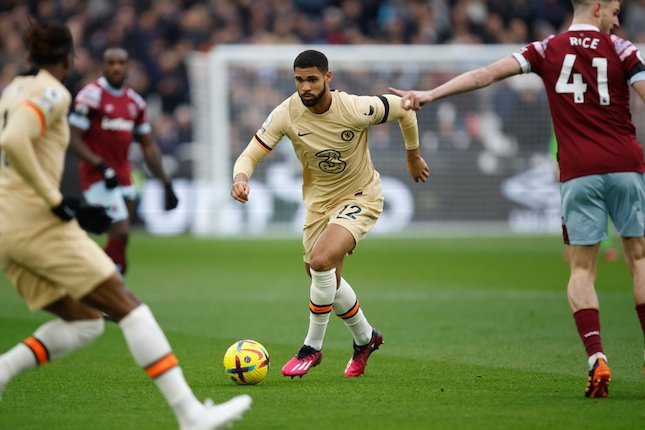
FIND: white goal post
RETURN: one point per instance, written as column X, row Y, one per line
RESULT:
column 488, row 150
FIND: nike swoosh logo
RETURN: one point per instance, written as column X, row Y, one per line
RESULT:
column 371, row 112
column 304, row 134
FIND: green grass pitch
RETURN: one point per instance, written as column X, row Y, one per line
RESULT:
column 478, row 335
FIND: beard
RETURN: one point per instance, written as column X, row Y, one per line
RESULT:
column 313, row 102
column 115, row 82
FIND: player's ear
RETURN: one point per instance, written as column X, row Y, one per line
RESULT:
column 328, row 76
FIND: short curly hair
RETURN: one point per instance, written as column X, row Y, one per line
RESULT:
column 48, row 43
column 311, row 58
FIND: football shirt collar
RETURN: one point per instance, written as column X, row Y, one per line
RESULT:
column 583, row 27
column 109, row 88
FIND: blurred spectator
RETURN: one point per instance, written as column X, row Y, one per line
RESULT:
column 634, row 21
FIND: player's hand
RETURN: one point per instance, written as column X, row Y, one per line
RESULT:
column 170, row 198
column 109, row 175
column 411, row 100
column 418, row 169
column 93, row 219
column 240, row 191
column 67, row 208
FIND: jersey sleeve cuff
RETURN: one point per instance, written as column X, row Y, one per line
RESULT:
column 524, row 65
column 79, row 121
column 640, row 76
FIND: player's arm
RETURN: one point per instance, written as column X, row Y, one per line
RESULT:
column 639, row 86
column 152, row 158
column 244, row 166
column 416, row 165
column 637, row 79
column 79, row 124
column 261, row 145
column 80, row 149
column 468, row 81
column 24, row 126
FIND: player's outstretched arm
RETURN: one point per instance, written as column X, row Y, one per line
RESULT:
column 468, row 81
column 412, row 99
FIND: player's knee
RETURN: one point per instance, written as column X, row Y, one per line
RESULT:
column 321, row 262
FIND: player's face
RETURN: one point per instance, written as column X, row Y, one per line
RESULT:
column 115, row 67
column 609, row 16
column 311, row 85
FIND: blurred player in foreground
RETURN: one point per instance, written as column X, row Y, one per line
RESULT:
column 52, row 263
column 586, row 72
column 341, row 192
column 106, row 117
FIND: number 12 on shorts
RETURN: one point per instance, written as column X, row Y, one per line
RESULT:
column 348, row 212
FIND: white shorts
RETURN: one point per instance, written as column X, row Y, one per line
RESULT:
column 112, row 200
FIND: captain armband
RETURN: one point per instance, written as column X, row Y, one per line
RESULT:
column 407, row 120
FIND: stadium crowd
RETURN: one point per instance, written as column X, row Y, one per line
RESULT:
column 160, row 33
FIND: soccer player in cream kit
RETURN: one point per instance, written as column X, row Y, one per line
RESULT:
column 52, row 263
column 587, row 73
column 341, row 192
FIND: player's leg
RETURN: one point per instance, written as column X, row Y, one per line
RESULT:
column 583, row 301
column 326, row 251
column 366, row 338
column 635, row 255
column 626, row 205
column 347, row 307
column 77, row 325
column 325, row 263
column 609, row 247
column 584, row 227
column 115, row 204
column 324, row 279
column 116, row 244
column 84, row 272
column 582, row 296
column 357, row 217
column 119, row 232
column 151, row 351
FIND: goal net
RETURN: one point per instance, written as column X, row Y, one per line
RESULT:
column 488, row 150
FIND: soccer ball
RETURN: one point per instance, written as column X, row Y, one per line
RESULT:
column 246, row 362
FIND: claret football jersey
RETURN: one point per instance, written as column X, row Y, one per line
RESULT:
column 586, row 74
column 110, row 117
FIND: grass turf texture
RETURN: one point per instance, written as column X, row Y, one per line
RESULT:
column 477, row 333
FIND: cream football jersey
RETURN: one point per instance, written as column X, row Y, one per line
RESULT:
column 332, row 147
column 49, row 100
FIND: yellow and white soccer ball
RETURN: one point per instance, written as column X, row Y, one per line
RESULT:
column 246, row 362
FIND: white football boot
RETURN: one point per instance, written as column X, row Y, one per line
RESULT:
column 222, row 416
